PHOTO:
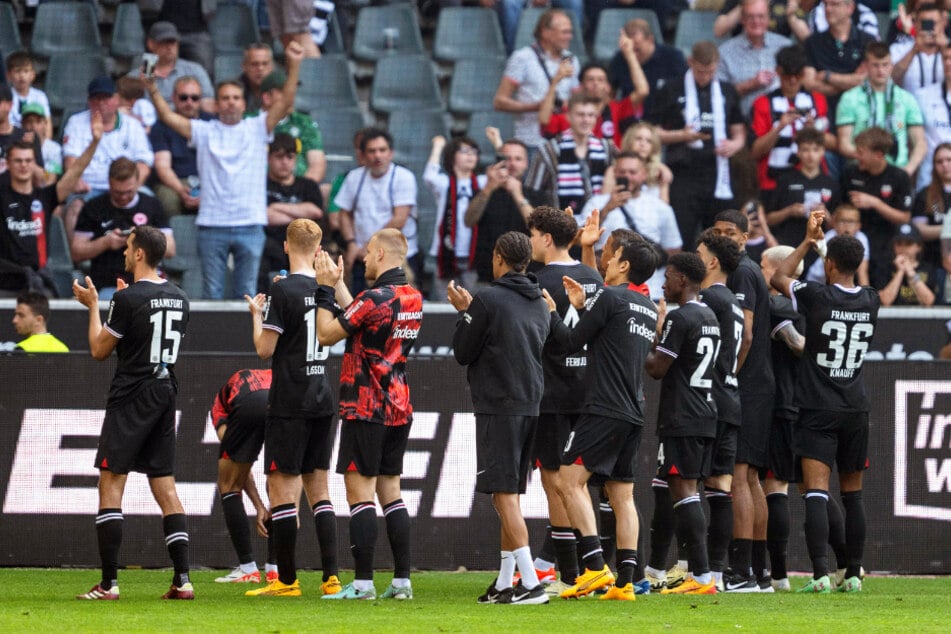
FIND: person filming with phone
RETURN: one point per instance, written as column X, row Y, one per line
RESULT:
column 917, row 55
column 105, row 222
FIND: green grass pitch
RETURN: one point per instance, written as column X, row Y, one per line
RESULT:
column 35, row 600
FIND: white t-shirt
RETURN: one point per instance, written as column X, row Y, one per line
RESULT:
column 127, row 139
column 937, row 118
column 232, row 166
column 817, row 272
column 371, row 201
column 525, row 69
column 924, row 70
column 33, row 95
column 653, row 218
column 438, row 182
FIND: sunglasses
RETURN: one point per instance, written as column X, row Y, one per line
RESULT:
column 188, row 97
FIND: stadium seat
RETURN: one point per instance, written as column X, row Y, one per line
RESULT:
column 185, row 265
column 467, row 32
column 233, row 28
column 693, row 27
column 337, row 127
column 228, row 66
column 413, row 132
column 65, row 28
column 405, row 82
column 479, row 121
column 128, row 36
column 68, row 76
column 9, row 30
column 524, row 35
column 473, row 84
column 334, row 44
column 326, row 83
column 386, row 30
column 609, row 26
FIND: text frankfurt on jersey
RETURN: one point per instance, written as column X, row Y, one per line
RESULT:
column 848, row 315
column 166, row 302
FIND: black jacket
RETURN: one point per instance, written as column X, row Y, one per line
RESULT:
column 500, row 337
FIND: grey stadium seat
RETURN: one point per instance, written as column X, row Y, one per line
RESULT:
column 65, row 28
column 405, row 81
column 693, row 27
column 233, row 28
column 128, row 36
column 467, row 32
column 68, row 76
column 370, row 39
column 326, row 83
column 413, row 132
column 473, row 84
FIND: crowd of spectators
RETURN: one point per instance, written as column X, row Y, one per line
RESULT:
column 799, row 106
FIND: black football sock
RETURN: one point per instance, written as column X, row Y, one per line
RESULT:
column 566, row 552
column 741, row 556
column 325, row 522
column 284, row 529
column 662, row 526
column 398, row 532
column 837, row 532
column 237, row 522
column 691, row 526
column 626, row 564
column 363, row 531
column 817, row 530
column 607, row 529
column 720, row 530
column 777, row 533
column 109, row 536
column 176, row 541
column 854, row 532
column 592, row 555
column 758, row 559
column 271, row 551
column 547, row 552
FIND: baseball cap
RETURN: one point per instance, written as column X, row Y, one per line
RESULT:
column 274, row 81
column 32, row 108
column 101, row 86
column 907, row 233
column 164, row 32
column 5, row 93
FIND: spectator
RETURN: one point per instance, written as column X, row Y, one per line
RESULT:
column 105, row 222
column 510, row 11
column 232, row 166
column 451, row 175
column 385, row 200
column 932, row 203
column 26, row 212
column 882, row 193
column 616, row 115
column 288, row 197
column 177, row 185
column 311, row 161
column 191, row 18
column 570, row 168
column 290, row 22
column 913, row 282
column 936, row 116
column 503, row 205
column 530, row 71
column 780, row 115
column 163, row 39
column 878, row 102
column 643, row 140
column 862, row 17
column 31, row 318
column 10, row 133
column 258, row 62
column 917, row 58
column 131, row 91
column 702, row 127
column 846, row 221
column 123, row 136
column 21, row 74
column 782, row 14
column 747, row 60
column 661, row 63
column 628, row 206
column 35, row 120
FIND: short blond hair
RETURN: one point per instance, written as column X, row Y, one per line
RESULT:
column 392, row 241
column 777, row 254
column 303, row 236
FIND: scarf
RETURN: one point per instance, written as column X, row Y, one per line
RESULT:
column 446, row 254
column 692, row 117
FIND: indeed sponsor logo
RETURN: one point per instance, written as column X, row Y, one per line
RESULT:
column 923, row 449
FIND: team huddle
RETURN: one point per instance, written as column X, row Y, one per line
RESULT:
column 758, row 389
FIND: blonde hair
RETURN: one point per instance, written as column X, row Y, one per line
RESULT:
column 652, row 162
column 392, row 241
column 779, row 253
column 303, row 236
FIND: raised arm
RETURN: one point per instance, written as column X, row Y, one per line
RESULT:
column 67, row 183
column 284, row 104
column 178, row 123
column 783, row 277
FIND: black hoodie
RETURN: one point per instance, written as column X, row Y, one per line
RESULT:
column 500, row 337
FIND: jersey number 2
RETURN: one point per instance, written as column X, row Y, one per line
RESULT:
column 164, row 329
column 709, row 350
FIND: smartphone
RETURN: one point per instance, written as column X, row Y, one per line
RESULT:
column 126, row 232
column 928, row 26
column 623, row 182
column 149, row 60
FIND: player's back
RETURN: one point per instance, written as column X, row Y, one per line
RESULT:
column 749, row 286
column 149, row 319
column 725, row 306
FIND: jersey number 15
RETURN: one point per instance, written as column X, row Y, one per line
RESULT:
column 165, row 330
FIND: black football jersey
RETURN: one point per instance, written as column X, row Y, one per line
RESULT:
column 564, row 372
column 747, row 283
column 722, row 302
column 149, row 319
column 840, row 324
column 691, row 335
column 618, row 326
column 299, row 387
column 785, row 363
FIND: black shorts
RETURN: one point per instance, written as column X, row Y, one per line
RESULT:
column 835, row 438
column 503, row 452
column 298, row 445
column 606, row 446
column 782, row 458
column 724, row 449
column 243, row 439
column 551, row 436
column 372, row 449
column 753, row 442
column 689, row 457
column 139, row 433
